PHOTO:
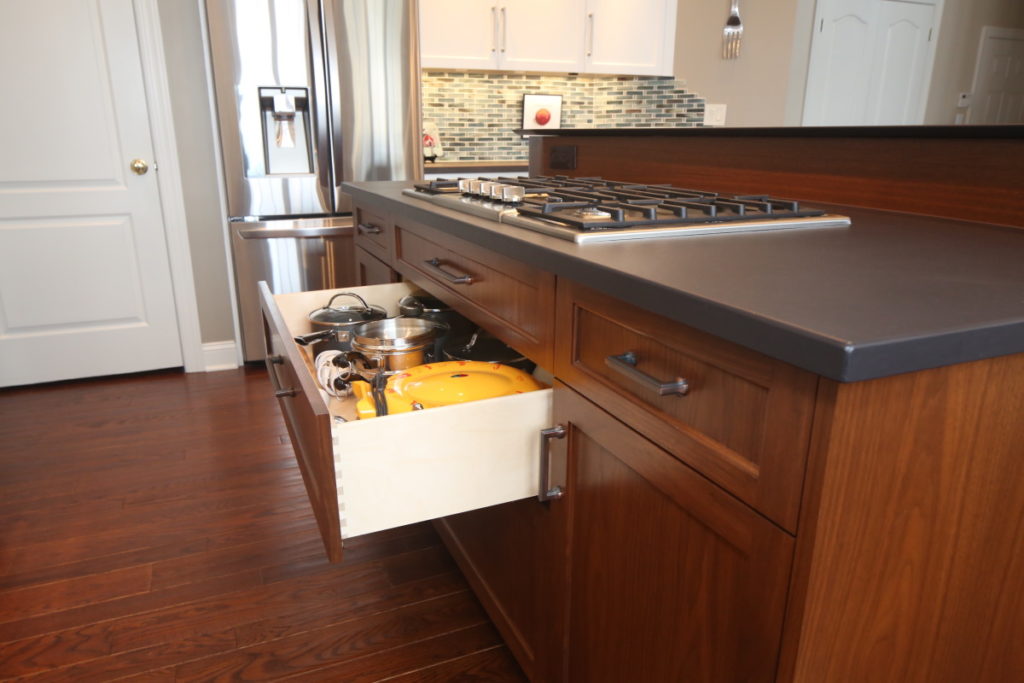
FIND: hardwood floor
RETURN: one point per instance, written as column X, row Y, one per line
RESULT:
column 155, row 528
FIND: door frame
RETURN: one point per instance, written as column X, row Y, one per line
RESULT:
column 168, row 175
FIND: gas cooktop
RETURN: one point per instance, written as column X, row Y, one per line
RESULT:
column 585, row 210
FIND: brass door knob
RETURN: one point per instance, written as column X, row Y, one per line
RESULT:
column 139, row 166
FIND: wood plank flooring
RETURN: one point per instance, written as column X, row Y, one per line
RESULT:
column 155, row 527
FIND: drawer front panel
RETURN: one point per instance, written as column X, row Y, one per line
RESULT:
column 307, row 419
column 370, row 270
column 512, row 300
column 375, row 234
column 743, row 421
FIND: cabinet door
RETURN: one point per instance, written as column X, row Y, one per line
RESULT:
column 671, row 578
column 514, row 558
column 539, row 35
column 458, row 34
column 631, row 37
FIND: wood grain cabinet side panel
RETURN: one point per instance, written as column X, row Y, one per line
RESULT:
column 672, row 578
column 744, row 422
column 512, row 300
column 912, row 557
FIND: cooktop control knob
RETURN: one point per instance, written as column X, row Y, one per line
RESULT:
column 513, row 194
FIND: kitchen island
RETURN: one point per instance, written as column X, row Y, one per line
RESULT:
column 811, row 467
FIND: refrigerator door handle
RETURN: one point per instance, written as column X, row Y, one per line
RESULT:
column 272, row 233
column 323, row 110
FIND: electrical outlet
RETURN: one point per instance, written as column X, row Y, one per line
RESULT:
column 714, row 114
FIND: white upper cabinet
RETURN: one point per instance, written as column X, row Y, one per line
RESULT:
column 583, row 36
column 458, row 34
column 636, row 37
column 538, row 35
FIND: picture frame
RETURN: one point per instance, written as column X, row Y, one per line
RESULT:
column 542, row 111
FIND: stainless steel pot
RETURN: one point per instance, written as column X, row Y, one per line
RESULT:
column 392, row 345
column 422, row 306
column 334, row 324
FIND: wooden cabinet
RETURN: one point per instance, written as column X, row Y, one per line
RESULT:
column 671, row 578
column 511, row 299
column 514, row 556
column 375, row 234
column 590, row 36
column 740, row 418
column 370, row 270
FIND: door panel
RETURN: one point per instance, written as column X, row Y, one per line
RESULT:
column 672, row 578
column 998, row 90
column 85, row 284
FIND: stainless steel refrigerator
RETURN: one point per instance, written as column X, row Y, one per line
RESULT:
column 310, row 93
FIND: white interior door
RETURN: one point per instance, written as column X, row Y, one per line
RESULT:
column 870, row 62
column 997, row 96
column 85, row 282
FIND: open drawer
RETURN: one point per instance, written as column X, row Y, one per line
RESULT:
column 368, row 475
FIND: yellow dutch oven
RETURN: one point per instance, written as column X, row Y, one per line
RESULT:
column 442, row 384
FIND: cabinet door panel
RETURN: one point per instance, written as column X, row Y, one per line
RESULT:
column 671, row 577
column 631, row 37
column 370, row 270
column 554, row 44
column 514, row 558
column 458, row 34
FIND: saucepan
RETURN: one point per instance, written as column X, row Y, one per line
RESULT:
column 334, row 324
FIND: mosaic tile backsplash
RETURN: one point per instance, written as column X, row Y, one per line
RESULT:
column 477, row 112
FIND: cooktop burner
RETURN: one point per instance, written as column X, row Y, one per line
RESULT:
column 593, row 209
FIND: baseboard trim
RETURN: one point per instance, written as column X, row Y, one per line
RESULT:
column 220, row 355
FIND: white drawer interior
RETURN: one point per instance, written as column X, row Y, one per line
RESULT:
column 421, row 465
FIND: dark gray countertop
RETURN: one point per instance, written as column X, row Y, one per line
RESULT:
column 891, row 293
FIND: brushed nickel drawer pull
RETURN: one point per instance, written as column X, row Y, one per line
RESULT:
column 275, row 383
column 625, row 364
column 368, row 229
column 545, row 491
column 434, row 266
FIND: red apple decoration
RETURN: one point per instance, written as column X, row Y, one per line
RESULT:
column 542, row 117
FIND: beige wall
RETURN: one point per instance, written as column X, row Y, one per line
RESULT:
column 957, row 50
column 183, row 50
column 755, row 87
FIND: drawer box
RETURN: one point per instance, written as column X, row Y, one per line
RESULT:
column 368, row 475
column 744, row 421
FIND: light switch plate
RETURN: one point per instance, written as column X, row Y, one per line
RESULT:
column 714, row 114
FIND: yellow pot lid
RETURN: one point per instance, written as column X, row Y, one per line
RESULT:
column 441, row 384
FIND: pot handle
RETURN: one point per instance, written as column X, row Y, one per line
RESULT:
column 360, row 299
column 307, row 339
